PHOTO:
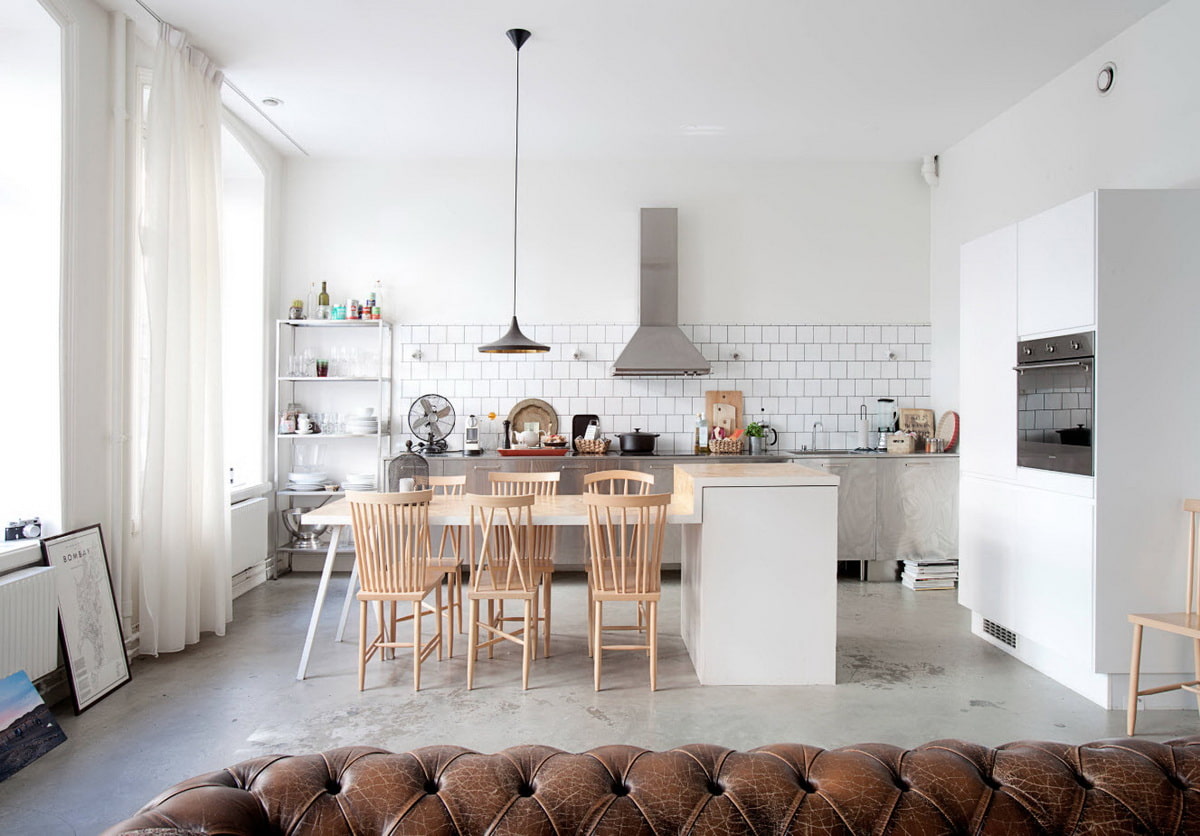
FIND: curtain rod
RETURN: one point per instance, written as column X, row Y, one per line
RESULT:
column 225, row 80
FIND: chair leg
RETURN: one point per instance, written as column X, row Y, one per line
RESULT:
column 1135, row 665
column 545, row 627
column 492, row 622
column 447, row 635
column 653, row 605
column 472, row 642
column 526, row 644
column 417, row 607
column 362, row 644
column 590, row 625
column 598, row 633
column 387, row 632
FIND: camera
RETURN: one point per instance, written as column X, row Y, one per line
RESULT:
column 23, row 530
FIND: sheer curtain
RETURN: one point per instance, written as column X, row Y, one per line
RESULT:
column 181, row 544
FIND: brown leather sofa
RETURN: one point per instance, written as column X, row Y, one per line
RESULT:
column 948, row 786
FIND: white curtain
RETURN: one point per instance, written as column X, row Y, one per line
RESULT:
column 181, row 540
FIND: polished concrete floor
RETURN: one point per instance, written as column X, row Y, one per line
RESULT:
column 908, row 671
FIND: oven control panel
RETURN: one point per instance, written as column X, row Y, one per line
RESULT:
column 1049, row 349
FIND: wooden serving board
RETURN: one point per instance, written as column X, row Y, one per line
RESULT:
column 534, row 451
column 723, row 408
column 919, row 421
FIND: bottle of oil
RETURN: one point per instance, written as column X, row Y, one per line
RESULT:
column 700, row 448
column 323, row 298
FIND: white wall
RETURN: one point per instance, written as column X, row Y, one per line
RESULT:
column 770, row 243
column 1060, row 142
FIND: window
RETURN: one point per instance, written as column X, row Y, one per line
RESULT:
column 30, row 217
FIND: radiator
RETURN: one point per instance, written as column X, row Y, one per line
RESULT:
column 28, row 622
column 248, row 543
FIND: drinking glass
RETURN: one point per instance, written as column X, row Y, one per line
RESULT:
column 322, row 368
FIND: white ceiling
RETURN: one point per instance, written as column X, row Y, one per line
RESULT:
column 708, row 79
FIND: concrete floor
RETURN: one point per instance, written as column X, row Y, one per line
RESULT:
column 908, row 671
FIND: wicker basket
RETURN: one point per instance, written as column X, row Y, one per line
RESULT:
column 592, row 446
column 725, row 445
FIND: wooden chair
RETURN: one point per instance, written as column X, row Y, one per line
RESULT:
column 1186, row 623
column 451, row 563
column 391, row 541
column 618, row 482
column 501, row 569
column 625, row 535
column 541, row 551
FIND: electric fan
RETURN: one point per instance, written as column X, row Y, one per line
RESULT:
column 431, row 418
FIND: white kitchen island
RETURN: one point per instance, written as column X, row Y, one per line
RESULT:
column 759, row 573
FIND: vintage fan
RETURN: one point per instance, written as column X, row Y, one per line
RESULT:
column 431, row 419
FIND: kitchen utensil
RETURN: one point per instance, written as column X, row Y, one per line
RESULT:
column 731, row 402
column 431, row 418
column 531, row 438
column 304, row 536
column 535, row 411
column 637, row 442
column 947, row 430
column 579, row 425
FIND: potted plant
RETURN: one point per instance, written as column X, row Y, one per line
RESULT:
column 756, row 432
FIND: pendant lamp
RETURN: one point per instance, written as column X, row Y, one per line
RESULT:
column 514, row 342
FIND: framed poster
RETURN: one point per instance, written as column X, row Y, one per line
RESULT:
column 87, row 613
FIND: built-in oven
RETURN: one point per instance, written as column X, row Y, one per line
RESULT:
column 1055, row 416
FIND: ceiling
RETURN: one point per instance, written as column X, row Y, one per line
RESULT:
column 631, row 79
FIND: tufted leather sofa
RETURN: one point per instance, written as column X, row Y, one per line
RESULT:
column 948, row 786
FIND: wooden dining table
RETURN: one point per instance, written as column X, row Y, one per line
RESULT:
column 565, row 509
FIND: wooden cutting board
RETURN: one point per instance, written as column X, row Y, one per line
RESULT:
column 723, row 408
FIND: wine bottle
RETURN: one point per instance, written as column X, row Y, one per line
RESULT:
column 323, row 299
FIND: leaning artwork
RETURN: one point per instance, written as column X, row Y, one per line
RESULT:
column 27, row 728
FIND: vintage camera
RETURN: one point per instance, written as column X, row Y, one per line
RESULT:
column 23, row 530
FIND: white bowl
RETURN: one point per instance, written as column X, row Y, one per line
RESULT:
column 309, row 478
column 363, row 412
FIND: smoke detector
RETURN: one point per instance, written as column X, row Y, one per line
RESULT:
column 1106, row 78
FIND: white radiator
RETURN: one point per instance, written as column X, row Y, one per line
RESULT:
column 248, row 542
column 28, row 622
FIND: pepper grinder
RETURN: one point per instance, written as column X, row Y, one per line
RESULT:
column 505, row 441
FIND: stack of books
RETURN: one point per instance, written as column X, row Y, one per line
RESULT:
column 930, row 573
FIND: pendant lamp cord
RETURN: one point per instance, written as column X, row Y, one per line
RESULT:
column 516, row 171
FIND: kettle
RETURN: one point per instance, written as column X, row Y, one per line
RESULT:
column 532, row 437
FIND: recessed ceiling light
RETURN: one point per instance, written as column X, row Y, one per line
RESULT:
column 1106, row 78
column 271, row 101
column 702, row 130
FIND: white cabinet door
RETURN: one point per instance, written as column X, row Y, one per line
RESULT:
column 985, row 548
column 988, row 388
column 1056, row 266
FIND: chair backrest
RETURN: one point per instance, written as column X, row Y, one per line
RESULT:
column 391, row 539
column 515, row 484
column 500, row 531
column 448, row 485
column 625, row 534
column 1192, row 506
column 618, row 482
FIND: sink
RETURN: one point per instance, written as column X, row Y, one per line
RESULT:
column 834, row 452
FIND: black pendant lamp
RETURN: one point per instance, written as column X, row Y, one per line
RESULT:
column 514, row 342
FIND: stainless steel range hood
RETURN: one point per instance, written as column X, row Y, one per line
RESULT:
column 658, row 348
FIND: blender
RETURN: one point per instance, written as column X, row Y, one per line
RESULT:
column 471, row 446
column 885, row 420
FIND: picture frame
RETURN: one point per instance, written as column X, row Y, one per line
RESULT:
column 90, row 630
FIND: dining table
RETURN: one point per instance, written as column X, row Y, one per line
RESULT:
column 563, row 509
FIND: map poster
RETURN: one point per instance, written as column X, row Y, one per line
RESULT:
column 87, row 612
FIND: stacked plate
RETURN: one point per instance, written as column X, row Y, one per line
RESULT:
column 359, row 482
column 307, row 480
column 362, row 425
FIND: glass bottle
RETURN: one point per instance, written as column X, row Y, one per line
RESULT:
column 700, row 447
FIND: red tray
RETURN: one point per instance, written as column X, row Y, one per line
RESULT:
column 534, row 451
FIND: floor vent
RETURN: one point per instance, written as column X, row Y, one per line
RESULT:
column 1000, row 633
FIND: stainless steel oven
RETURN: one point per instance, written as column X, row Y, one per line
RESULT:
column 1055, row 381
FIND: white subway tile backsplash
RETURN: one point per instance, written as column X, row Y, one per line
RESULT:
column 793, row 375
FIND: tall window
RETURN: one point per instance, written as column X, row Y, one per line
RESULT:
column 243, row 239
column 30, row 262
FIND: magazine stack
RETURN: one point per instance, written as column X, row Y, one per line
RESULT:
column 930, row 573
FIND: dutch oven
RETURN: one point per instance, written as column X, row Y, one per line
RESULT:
column 637, row 441
column 1078, row 436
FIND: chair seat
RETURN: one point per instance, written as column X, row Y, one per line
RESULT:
column 488, row 584
column 447, row 563
column 1185, row 624
column 432, row 581
column 610, row 586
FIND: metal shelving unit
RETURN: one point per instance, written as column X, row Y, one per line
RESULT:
column 294, row 334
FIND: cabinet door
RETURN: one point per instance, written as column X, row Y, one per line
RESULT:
column 570, row 541
column 477, row 473
column 987, row 542
column 1056, row 269
column 988, row 389
column 856, row 505
column 917, row 509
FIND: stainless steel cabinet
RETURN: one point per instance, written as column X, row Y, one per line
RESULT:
column 917, row 508
column 857, row 503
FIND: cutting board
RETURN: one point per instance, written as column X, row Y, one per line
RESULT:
column 919, row 421
column 723, row 408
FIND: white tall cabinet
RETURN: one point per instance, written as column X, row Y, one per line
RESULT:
column 1056, row 561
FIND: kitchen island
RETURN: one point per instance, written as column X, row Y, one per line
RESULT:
column 759, row 572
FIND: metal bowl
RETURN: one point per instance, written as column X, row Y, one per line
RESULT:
column 304, row 535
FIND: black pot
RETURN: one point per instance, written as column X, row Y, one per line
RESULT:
column 637, row 441
column 1079, row 436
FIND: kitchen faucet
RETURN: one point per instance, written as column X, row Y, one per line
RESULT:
column 817, row 427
